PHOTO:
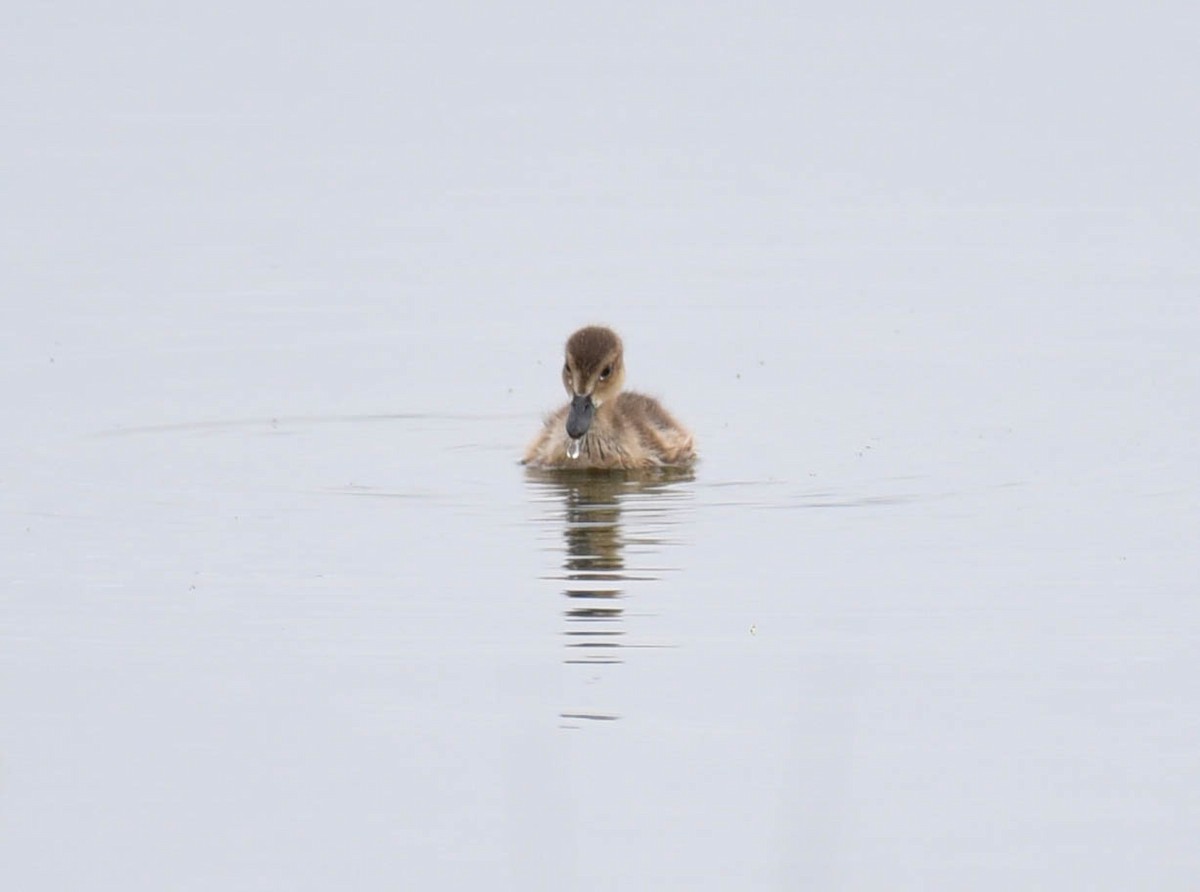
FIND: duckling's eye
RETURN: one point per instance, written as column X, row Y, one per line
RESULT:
column 605, row 372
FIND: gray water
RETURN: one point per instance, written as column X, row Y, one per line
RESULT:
column 285, row 294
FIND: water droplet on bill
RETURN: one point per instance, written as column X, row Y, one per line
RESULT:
column 573, row 447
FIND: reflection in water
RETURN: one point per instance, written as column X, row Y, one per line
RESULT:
column 610, row 523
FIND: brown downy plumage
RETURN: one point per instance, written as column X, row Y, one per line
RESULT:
column 602, row 427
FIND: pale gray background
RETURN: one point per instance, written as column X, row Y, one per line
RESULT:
column 284, row 291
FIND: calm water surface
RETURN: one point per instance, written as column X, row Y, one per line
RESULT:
column 285, row 297
column 379, row 631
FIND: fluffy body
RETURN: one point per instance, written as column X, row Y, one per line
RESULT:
column 627, row 431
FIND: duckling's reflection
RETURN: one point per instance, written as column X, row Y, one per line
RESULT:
column 608, row 519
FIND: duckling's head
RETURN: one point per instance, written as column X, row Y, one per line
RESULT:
column 593, row 372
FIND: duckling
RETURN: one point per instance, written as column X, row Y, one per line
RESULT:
column 603, row 427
